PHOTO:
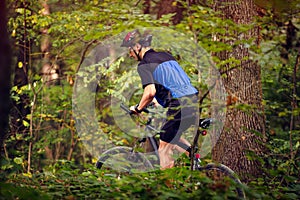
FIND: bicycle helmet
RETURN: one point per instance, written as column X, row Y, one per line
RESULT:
column 135, row 37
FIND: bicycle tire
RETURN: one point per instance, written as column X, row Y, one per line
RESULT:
column 122, row 159
column 225, row 171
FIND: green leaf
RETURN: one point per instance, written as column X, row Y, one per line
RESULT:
column 18, row 160
column 25, row 123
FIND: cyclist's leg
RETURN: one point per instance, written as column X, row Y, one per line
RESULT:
column 167, row 135
column 185, row 122
column 180, row 116
column 165, row 152
column 181, row 150
column 189, row 116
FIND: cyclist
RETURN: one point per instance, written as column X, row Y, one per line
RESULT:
column 165, row 81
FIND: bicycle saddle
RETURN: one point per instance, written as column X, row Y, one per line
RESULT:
column 205, row 123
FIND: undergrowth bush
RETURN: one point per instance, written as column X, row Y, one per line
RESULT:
column 64, row 180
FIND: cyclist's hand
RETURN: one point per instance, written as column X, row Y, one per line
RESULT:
column 134, row 110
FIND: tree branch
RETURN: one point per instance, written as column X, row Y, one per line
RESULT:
column 83, row 54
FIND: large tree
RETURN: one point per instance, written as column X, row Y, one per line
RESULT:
column 242, row 138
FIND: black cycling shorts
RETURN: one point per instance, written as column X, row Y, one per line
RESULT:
column 181, row 114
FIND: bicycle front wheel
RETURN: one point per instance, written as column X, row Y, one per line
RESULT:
column 222, row 177
column 123, row 159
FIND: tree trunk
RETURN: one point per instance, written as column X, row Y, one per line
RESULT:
column 172, row 6
column 244, row 128
column 49, row 69
column 5, row 74
column 50, row 77
column 147, row 6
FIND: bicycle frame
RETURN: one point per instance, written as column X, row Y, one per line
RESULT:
column 195, row 161
column 195, row 158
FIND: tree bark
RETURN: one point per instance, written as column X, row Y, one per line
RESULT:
column 244, row 128
column 5, row 74
column 172, row 6
column 49, row 69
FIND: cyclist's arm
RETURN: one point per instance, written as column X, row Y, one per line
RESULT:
column 148, row 95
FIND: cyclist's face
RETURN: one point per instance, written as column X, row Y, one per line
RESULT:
column 133, row 51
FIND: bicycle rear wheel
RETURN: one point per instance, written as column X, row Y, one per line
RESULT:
column 122, row 159
column 222, row 176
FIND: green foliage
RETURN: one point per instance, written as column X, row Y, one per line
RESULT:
column 52, row 109
column 77, row 26
column 64, row 180
column 10, row 191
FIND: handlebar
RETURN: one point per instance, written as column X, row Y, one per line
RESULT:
column 204, row 123
column 125, row 109
column 148, row 123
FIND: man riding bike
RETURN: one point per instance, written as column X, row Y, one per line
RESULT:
column 164, row 80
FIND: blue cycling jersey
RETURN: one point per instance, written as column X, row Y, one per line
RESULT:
column 161, row 69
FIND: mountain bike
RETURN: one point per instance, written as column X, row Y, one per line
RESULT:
column 130, row 159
